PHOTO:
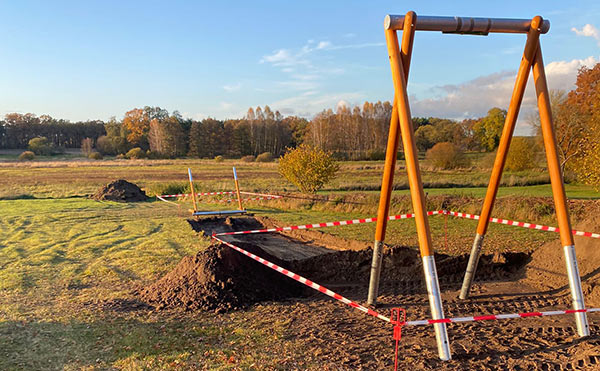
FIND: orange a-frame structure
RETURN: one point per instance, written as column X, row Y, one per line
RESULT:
column 401, row 125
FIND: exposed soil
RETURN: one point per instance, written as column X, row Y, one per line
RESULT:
column 337, row 337
column 120, row 191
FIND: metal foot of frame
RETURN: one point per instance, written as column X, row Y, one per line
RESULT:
column 375, row 272
column 437, row 311
column 583, row 328
column 471, row 267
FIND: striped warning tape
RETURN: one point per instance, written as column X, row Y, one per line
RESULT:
column 498, row 316
column 521, row 224
column 229, row 200
column 307, row 282
column 199, row 194
column 264, row 196
column 327, row 224
column 261, row 194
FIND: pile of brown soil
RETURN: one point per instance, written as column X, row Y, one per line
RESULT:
column 221, row 279
column 548, row 271
column 120, row 191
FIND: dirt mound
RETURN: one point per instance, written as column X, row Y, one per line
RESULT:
column 120, row 191
column 548, row 271
column 221, row 279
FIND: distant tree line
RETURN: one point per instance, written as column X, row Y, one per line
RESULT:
column 357, row 133
column 16, row 130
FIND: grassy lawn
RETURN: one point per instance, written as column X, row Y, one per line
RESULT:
column 70, row 266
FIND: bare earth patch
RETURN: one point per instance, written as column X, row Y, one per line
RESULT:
column 333, row 335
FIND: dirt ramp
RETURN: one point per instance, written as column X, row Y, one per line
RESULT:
column 120, row 191
column 548, row 271
column 220, row 279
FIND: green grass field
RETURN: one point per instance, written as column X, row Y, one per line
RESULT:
column 66, row 260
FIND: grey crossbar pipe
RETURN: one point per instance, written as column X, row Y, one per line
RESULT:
column 464, row 25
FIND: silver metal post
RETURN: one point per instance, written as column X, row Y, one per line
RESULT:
column 437, row 311
column 471, row 266
column 583, row 328
column 375, row 272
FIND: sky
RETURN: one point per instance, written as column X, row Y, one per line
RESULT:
column 81, row 60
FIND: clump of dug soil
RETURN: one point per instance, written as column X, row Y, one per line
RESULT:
column 120, row 191
column 220, row 279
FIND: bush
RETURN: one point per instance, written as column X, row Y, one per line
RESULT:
column 264, row 157
column 26, row 156
column 375, row 155
column 153, row 155
column 95, row 156
column 308, row 168
column 105, row 145
column 136, row 152
column 87, row 146
column 446, row 155
column 521, row 154
column 40, row 146
column 219, row 158
column 248, row 158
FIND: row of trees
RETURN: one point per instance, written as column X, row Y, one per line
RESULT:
column 356, row 133
column 16, row 130
column 349, row 133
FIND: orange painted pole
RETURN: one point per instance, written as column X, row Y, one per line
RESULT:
column 558, row 192
column 192, row 190
column 507, row 133
column 417, row 194
column 237, row 189
column 391, row 154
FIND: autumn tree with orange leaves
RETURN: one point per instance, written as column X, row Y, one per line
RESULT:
column 137, row 124
column 586, row 100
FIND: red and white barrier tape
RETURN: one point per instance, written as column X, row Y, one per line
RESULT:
column 199, row 194
column 498, row 316
column 327, row 224
column 167, row 201
column 229, row 200
column 406, row 216
column 521, row 224
column 260, row 194
column 307, row 282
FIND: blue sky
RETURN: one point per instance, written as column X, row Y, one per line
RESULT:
column 96, row 59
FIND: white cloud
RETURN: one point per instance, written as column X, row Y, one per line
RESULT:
column 231, row 88
column 475, row 97
column 323, row 45
column 588, row 31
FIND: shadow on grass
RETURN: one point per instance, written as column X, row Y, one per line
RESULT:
column 109, row 342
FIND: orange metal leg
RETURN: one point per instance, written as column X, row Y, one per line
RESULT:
column 507, row 133
column 417, row 194
column 387, row 183
column 558, row 192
